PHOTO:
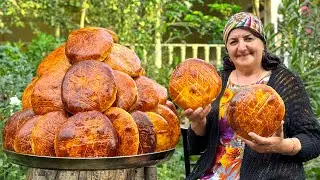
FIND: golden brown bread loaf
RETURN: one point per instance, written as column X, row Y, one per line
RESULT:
column 88, row 85
column 43, row 133
column 127, row 91
column 56, row 60
column 26, row 95
column 147, row 135
column 12, row 125
column 147, row 94
column 258, row 109
column 46, row 96
column 194, row 83
column 89, row 43
column 124, row 59
column 162, row 93
column 127, row 131
column 22, row 139
column 86, row 134
column 162, row 130
column 173, row 122
column 114, row 35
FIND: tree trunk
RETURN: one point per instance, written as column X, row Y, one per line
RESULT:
column 256, row 7
column 83, row 13
column 144, row 173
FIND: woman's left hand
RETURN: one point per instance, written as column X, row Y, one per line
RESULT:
column 272, row 144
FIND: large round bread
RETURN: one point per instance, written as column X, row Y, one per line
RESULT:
column 46, row 96
column 162, row 93
column 86, row 134
column 147, row 135
column 88, row 85
column 127, row 91
column 43, row 133
column 147, row 94
column 12, row 125
column 124, row 59
column 127, row 131
column 89, row 43
column 56, row 60
column 257, row 108
column 173, row 122
column 22, row 139
column 26, row 95
column 162, row 130
column 194, row 83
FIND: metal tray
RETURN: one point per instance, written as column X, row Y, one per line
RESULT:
column 100, row 163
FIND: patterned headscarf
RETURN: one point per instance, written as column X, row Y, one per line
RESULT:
column 244, row 20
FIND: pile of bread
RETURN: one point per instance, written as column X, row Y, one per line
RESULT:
column 91, row 98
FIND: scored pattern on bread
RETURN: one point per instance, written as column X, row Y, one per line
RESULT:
column 257, row 108
column 86, row 134
column 194, row 83
column 83, row 91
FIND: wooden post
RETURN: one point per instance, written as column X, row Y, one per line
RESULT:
column 144, row 173
column 158, row 52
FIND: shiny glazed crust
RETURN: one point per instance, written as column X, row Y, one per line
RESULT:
column 147, row 135
column 56, row 60
column 26, row 95
column 12, row 125
column 147, row 94
column 22, row 140
column 127, row 91
column 173, row 122
column 127, row 131
column 86, row 134
column 258, row 109
column 194, row 83
column 43, row 133
column 124, row 59
column 162, row 130
column 89, row 43
column 46, row 96
column 88, row 85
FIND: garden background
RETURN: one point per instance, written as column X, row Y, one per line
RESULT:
column 29, row 30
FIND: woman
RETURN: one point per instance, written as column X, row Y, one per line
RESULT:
column 227, row 156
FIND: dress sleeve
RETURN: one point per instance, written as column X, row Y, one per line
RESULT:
column 300, row 121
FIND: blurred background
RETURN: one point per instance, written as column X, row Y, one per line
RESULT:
column 163, row 33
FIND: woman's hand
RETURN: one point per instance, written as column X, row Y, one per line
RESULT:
column 274, row 144
column 198, row 119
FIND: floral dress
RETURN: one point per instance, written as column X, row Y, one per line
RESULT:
column 229, row 154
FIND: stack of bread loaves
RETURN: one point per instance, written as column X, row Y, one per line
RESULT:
column 91, row 98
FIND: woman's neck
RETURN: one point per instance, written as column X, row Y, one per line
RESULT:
column 248, row 76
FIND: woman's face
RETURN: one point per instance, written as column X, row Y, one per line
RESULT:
column 245, row 49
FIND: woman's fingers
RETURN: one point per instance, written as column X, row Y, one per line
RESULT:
column 258, row 139
column 199, row 113
column 279, row 132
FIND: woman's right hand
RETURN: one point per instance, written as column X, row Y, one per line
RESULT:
column 198, row 119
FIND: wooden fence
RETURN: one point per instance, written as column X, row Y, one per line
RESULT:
column 211, row 53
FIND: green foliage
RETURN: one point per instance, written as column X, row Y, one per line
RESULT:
column 15, row 73
column 298, row 42
column 40, row 46
column 174, row 168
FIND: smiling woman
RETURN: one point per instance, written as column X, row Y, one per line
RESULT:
column 226, row 154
